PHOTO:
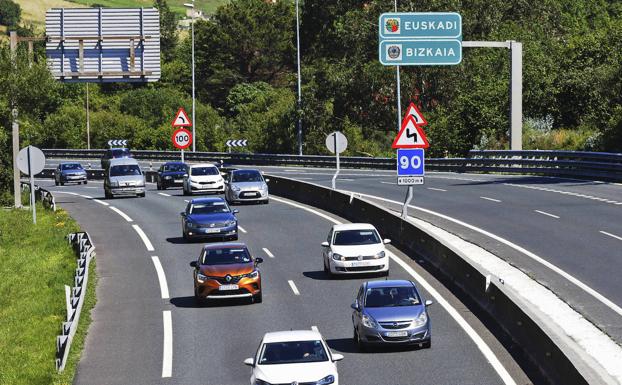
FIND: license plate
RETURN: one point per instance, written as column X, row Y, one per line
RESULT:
column 228, row 287
column 396, row 334
column 360, row 264
column 210, row 231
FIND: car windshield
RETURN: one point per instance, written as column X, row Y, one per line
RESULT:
column 125, row 169
column 226, row 256
column 292, row 352
column 204, row 171
column 356, row 237
column 120, row 152
column 391, row 296
column 71, row 166
column 174, row 167
column 208, row 208
column 246, row 176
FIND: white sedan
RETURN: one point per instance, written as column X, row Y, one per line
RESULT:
column 355, row 248
column 203, row 178
column 291, row 357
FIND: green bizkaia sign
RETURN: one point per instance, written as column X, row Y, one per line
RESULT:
column 420, row 38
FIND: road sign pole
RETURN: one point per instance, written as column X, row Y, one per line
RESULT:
column 194, row 123
column 334, row 181
column 516, row 96
column 182, row 156
column 17, row 192
column 33, row 205
column 409, row 197
column 88, row 120
column 299, row 104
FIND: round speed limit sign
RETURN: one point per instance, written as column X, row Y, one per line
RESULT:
column 182, row 138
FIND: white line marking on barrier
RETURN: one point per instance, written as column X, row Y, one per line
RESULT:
column 383, row 182
column 611, row 235
column 161, row 277
column 293, row 286
column 143, row 236
column 547, row 214
column 436, row 189
column 516, row 247
column 268, row 253
column 101, row 202
column 165, row 194
column 121, row 213
column 479, row 342
column 242, row 229
column 167, row 354
column 491, row 199
column 315, row 329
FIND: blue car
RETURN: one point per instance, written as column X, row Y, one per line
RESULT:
column 209, row 218
column 171, row 174
column 391, row 312
column 69, row 172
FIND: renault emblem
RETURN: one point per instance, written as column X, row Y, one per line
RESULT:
column 360, row 257
column 212, row 224
column 228, row 278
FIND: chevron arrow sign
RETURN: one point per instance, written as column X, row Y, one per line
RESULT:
column 117, row 142
column 237, row 143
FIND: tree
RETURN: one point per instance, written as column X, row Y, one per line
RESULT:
column 168, row 29
column 10, row 13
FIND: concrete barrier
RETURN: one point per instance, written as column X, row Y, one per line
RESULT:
column 511, row 323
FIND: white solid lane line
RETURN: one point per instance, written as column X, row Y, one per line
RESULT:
column 121, row 213
column 268, row 253
column 547, row 214
column 387, row 182
column 242, row 229
column 101, row 202
column 491, row 199
column 516, row 247
column 436, row 189
column 611, row 235
column 293, row 286
column 161, row 277
column 346, row 179
column 315, row 329
column 143, row 236
column 86, row 196
column 165, row 194
column 479, row 342
column 167, row 354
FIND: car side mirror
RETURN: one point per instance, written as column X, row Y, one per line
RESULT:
column 185, row 175
column 337, row 357
column 355, row 306
column 267, row 180
column 249, row 362
column 258, row 260
column 386, row 241
column 194, row 264
column 325, row 244
column 235, row 211
column 183, row 213
column 428, row 302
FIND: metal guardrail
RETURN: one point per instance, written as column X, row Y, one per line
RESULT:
column 42, row 194
column 75, row 295
column 574, row 164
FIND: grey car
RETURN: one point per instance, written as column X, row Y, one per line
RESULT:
column 390, row 312
column 246, row 186
column 124, row 177
column 69, row 172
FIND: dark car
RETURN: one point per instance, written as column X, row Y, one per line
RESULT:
column 69, row 172
column 171, row 174
column 114, row 153
column 209, row 218
column 390, row 312
column 226, row 270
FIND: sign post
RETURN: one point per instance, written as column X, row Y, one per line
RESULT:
column 336, row 142
column 31, row 161
column 182, row 138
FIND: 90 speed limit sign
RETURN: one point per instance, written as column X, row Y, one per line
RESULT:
column 182, row 138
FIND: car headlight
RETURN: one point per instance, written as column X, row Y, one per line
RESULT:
column 369, row 322
column 330, row 379
column 338, row 257
column 264, row 187
column 235, row 188
column 253, row 274
column 191, row 224
column 379, row 255
column 201, row 278
column 168, row 177
column 421, row 320
column 230, row 223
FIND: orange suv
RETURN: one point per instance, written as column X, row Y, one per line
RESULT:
column 226, row 270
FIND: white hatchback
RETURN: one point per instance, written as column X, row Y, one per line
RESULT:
column 296, row 356
column 355, row 248
column 203, row 178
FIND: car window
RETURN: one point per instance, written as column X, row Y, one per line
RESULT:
column 120, row 152
column 356, row 237
column 71, row 166
column 391, row 296
column 173, row 167
column 292, row 352
column 226, row 256
column 246, row 176
column 204, row 171
column 208, row 208
column 125, row 169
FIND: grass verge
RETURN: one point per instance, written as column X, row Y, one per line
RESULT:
column 36, row 263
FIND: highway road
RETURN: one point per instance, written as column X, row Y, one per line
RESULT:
column 147, row 328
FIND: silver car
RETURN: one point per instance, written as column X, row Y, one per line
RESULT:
column 246, row 186
column 391, row 312
column 124, row 177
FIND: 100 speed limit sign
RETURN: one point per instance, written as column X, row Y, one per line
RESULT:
column 182, row 138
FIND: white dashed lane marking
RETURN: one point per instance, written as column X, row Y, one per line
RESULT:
column 242, row 229
column 611, row 235
column 293, row 286
column 268, row 253
column 569, row 193
column 436, row 189
column 491, row 199
column 547, row 214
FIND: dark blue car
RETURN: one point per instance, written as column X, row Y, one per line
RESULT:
column 171, row 174
column 69, row 172
column 209, row 218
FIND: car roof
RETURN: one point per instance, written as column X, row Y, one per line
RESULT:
column 292, row 335
column 354, row 226
column 182, row 163
column 207, row 200
column 202, row 165
column 119, row 148
column 390, row 282
column 246, row 169
column 122, row 161
column 224, row 245
column 65, row 162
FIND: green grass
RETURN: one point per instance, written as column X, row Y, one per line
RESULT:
column 207, row 6
column 36, row 263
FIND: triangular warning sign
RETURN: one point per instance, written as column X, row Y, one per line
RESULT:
column 181, row 119
column 411, row 135
column 413, row 111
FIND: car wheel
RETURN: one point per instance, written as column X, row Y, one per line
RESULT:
column 62, row 183
column 359, row 343
column 257, row 298
column 107, row 194
column 186, row 192
column 384, row 273
column 86, row 181
column 55, row 182
column 199, row 301
column 266, row 202
column 158, row 186
column 326, row 269
column 142, row 195
column 234, row 237
column 184, row 235
column 427, row 344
